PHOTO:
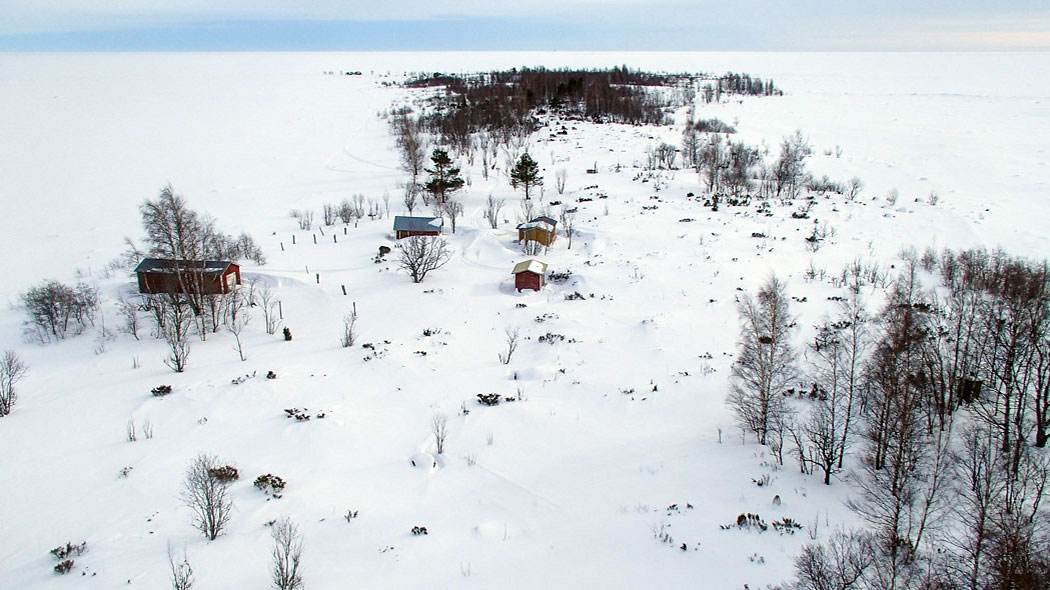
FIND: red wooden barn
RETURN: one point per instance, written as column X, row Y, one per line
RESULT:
column 162, row 275
column 405, row 226
column 531, row 274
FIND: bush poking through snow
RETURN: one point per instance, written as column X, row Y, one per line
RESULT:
column 551, row 339
column 488, row 399
column 161, row 390
column 747, row 521
column 786, row 526
column 419, row 530
column 299, row 415
column 56, row 310
column 271, row 485
column 226, row 473
column 64, row 551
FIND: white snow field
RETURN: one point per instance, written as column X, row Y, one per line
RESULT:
column 571, row 486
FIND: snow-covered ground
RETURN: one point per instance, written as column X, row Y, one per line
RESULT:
column 624, row 418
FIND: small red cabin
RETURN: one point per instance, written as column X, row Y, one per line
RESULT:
column 531, row 274
column 163, row 275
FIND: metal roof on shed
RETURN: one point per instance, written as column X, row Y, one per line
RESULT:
column 405, row 223
column 168, row 265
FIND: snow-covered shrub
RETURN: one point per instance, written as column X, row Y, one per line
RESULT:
column 64, row 551
column 64, row 567
column 892, row 196
column 713, row 126
column 786, row 525
column 419, row 530
column 161, row 390
column 299, row 415
column 747, row 521
column 552, row 339
column 271, row 485
column 225, row 473
column 488, row 399
column 304, row 218
column 559, row 277
column 56, row 310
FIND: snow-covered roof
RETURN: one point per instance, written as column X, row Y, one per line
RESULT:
column 167, row 265
column 534, row 266
column 405, row 223
column 544, row 223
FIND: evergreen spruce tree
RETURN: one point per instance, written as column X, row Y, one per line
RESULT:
column 444, row 177
column 526, row 174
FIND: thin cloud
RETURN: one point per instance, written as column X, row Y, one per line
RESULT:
column 526, row 24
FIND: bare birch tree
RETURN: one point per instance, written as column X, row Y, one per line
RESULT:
column 568, row 225
column 452, row 209
column 766, row 362
column 207, row 496
column 287, row 555
column 439, row 428
column 513, row 339
column 12, row 370
column 181, row 572
column 560, row 177
column 349, row 329
column 492, row 209
column 418, row 255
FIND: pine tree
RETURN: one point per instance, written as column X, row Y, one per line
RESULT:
column 526, row 173
column 444, row 177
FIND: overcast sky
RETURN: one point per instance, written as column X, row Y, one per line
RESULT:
column 183, row 25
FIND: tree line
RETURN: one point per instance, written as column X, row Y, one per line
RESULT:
column 504, row 103
column 941, row 403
